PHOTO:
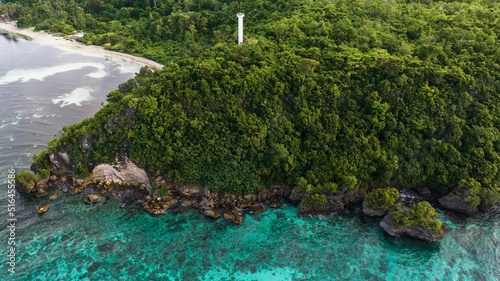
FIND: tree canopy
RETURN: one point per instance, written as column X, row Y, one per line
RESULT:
column 336, row 94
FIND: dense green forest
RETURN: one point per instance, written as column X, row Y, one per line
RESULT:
column 322, row 95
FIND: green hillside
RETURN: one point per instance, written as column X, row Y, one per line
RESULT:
column 322, row 95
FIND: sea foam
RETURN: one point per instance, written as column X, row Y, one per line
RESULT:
column 128, row 68
column 77, row 96
column 25, row 75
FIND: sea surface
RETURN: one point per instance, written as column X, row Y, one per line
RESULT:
column 42, row 89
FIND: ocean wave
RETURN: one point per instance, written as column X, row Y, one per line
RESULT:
column 128, row 68
column 25, row 75
column 76, row 97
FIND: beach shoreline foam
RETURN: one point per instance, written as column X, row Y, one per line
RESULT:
column 71, row 45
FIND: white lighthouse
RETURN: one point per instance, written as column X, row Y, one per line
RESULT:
column 240, row 27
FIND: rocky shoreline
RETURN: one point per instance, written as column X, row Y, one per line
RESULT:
column 124, row 178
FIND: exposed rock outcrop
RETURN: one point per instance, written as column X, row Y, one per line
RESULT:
column 336, row 203
column 189, row 191
column 32, row 187
column 92, row 199
column 333, row 206
column 417, row 232
column 108, row 178
column 158, row 205
column 42, row 208
column 61, row 163
column 233, row 205
column 257, row 208
column 457, row 204
column 234, row 215
column 211, row 213
column 53, row 197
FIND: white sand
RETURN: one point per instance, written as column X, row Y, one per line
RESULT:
column 60, row 42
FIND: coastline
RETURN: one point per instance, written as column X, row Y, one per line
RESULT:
column 62, row 43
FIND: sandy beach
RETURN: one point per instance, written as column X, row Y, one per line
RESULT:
column 60, row 42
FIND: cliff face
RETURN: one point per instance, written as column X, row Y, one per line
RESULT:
column 457, row 204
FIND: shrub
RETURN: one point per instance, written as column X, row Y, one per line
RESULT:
column 382, row 198
column 420, row 214
column 42, row 160
column 26, row 178
column 471, row 189
column 330, row 188
column 315, row 200
column 42, row 174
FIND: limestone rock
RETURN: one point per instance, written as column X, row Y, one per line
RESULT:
column 189, row 202
column 125, row 174
column 189, row 191
column 233, row 216
column 158, row 205
column 92, row 199
column 78, row 182
column 456, row 203
column 167, row 204
column 417, row 232
column 207, row 203
column 74, row 190
column 257, row 208
column 350, row 196
column 42, row 208
column 61, row 163
column 212, row 213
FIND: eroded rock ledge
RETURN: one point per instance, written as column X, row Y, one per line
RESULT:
column 416, row 232
column 215, row 204
column 157, row 196
column 108, row 177
column 457, row 204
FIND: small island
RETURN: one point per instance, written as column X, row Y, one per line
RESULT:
column 326, row 105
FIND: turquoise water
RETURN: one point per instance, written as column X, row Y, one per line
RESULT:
column 74, row 241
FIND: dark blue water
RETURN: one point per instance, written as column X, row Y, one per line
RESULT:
column 74, row 241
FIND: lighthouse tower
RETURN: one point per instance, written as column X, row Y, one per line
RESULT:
column 240, row 27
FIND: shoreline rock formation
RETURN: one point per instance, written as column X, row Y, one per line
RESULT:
column 157, row 196
column 416, row 232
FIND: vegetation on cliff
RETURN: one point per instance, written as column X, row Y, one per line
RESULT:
column 382, row 198
column 327, row 95
column 421, row 214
